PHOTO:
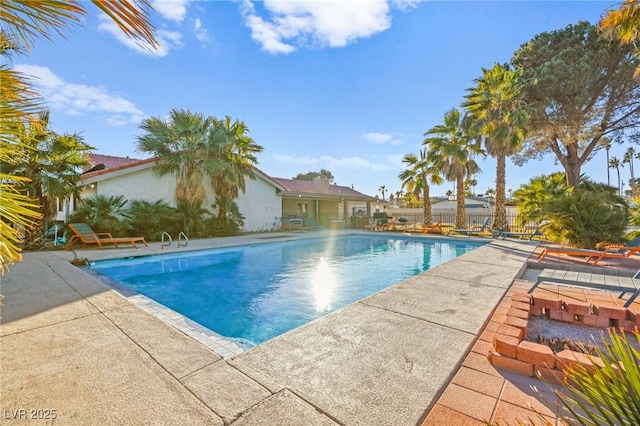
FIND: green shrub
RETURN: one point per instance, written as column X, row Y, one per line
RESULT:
column 606, row 393
column 585, row 218
column 151, row 219
column 103, row 214
column 229, row 220
column 192, row 219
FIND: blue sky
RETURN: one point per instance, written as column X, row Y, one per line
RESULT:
column 348, row 86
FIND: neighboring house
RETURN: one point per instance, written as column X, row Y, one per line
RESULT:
column 320, row 204
column 264, row 204
column 260, row 204
column 450, row 203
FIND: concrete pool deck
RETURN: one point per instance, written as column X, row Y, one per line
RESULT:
column 72, row 345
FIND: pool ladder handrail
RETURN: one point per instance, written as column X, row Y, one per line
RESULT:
column 162, row 244
column 181, row 236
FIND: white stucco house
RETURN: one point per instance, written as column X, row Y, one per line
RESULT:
column 264, row 204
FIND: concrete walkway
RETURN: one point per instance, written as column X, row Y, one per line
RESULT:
column 74, row 349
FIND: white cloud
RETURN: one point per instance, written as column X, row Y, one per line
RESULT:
column 405, row 5
column 78, row 99
column 167, row 40
column 174, row 10
column 395, row 159
column 378, row 138
column 354, row 163
column 381, row 167
column 334, row 23
column 306, row 160
column 201, row 33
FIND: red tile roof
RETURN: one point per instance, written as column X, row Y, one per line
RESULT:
column 111, row 164
column 110, row 161
column 308, row 187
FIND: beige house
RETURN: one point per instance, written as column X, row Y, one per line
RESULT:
column 318, row 203
column 266, row 203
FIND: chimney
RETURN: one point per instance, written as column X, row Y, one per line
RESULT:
column 321, row 185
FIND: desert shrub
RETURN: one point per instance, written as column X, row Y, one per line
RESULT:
column 229, row 220
column 151, row 219
column 103, row 214
column 532, row 197
column 603, row 394
column 192, row 219
column 585, row 218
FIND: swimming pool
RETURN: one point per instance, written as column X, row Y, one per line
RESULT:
column 253, row 293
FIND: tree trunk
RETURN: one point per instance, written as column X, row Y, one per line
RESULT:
column 500, row 211
column 34, row 238
column 573, row 175
column 461, row 216
column 426, row 206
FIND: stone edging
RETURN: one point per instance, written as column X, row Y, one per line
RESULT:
column 510, row 351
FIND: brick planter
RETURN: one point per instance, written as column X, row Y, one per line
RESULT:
column 510, row 351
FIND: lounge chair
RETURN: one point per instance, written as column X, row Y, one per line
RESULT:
column 570, row 251
column 84, row 234
column 421, row 228
column 476, row 230
column 593, row 281
column 520, row 235
column 619, row 251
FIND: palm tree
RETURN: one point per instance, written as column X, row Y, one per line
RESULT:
column 238, row 157
column 614, row 163
column 629, row 156
column 417, row 176
column 473, row 183
column 22, row 23
column 607, row 147
column 382, row 188
column 17, row 103
column 497, row 106
column 183, row 145
column 399, row 196
column 452, row 146
column 624, row 25
column 52, row 165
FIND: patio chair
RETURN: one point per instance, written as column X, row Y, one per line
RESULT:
column 294, row 224
column 520, row 235
column 421, row 228
column 476, row 230
column 592, row 281
column 569, row 251
column 619, row 251
column 84, row 234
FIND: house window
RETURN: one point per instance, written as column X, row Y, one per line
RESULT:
column 60, row 203
column 302, row 209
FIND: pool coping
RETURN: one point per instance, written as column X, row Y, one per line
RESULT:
column 281, row 384
column 222, row 345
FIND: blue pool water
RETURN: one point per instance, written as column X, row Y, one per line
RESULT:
column 254, row 293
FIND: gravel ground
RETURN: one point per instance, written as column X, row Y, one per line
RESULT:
column 551, row 329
